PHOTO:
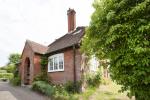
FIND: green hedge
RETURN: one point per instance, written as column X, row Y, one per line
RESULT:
column 43, row 87
column 3, row 71
column 6, row 75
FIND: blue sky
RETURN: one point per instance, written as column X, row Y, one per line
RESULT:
column 42, row 21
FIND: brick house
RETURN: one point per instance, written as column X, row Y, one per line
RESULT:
column 65, row 60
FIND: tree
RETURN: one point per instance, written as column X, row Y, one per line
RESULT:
column 120, row 30
column 14, row 58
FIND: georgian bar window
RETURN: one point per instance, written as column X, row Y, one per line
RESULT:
column 56, row 63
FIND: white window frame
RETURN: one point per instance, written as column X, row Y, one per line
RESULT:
column 52, row 57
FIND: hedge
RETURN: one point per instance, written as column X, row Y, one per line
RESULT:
column 43, row 87
column 6, row 75
column 3, row 71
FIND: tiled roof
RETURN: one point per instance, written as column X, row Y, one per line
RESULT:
column 37, row 48
column 67, row 40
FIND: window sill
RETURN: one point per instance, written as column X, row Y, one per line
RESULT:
column 55, row 71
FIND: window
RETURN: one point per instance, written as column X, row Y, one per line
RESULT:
column 56, row 63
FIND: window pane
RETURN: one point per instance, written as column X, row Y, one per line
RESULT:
column 61, row 62
column 55, row 63
column 51, row 64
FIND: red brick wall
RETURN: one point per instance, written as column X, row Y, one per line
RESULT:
column 27, row 53
column 37, row 65
column 68, row 73
column 34, row 63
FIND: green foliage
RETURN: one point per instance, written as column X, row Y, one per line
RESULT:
column 10, row 68
column 14, row 58
column 43, row 87
column 94, row 79
column 72, row 87
column 88, row 92
column 106, row 81
column 41, row 77
column 6, row 75
column 62, row 94
column 120, row 31
column 3, row 71
column 16, row 81
column 44, row 62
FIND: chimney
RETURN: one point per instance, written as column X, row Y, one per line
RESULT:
column 71, row 19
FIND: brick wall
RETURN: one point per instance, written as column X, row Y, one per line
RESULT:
column 34, row 63
column 68, row 73
column 37, row 64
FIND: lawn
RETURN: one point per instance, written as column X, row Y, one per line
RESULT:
column 109, row 92
column 104, row 92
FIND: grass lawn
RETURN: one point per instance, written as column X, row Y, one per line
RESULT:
column 104, row 92
column 109, row 92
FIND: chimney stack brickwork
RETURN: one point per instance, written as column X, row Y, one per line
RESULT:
column 71, row 19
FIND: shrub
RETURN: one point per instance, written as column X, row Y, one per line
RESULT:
column 62, row 94
column 94, row 79
column 43, row 88
column 72, row 87
column 10, row 68
column 16, row 81
column 3, row 71
column 6, row 75
column 41, row 77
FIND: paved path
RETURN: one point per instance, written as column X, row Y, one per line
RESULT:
column 8, row 92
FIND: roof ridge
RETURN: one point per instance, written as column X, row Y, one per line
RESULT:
column 29, row 41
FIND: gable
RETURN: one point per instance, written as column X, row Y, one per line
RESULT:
column 26, row 49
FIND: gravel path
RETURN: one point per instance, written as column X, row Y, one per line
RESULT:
column 8, row 92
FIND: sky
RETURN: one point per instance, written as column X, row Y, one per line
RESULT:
column 41, row 21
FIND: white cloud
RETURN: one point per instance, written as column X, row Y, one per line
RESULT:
column 39, row 20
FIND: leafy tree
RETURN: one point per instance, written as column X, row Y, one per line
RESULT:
column 14, row 58
column 120, row 30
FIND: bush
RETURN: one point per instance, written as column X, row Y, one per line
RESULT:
column 6, row 75
column 3, row 71
column 43, row 88
column 94, row 79
column 72, row 87
column 62, row 94
column 10, row 68
column 16, row 81
column 41, row 77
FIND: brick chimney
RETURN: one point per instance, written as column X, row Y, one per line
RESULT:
column 71, row 19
